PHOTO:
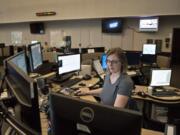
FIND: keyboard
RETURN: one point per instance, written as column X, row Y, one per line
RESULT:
column 164, row 93
column 70, row 82
column 45, row 68
column 67, row 91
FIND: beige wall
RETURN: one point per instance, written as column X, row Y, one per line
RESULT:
column 24, row 10
column 88, row 33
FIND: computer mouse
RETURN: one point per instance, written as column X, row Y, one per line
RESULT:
column 86, row 77
column 142, row 94
column 82, row 84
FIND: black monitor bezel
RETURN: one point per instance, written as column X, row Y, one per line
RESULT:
column 31, row 57
column 106, row 21
column 12, row 57
column 148, row 59
column 59, row 55
column 29, row 105
column 36, row 27
column 134, row 52
column 84, row 104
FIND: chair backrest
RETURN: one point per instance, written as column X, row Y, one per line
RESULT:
column 132, row 105
column 146, row 73
column 163, row 61
column 2, row 45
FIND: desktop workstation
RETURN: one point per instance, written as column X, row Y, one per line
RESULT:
column 20, row 67
column 64, row 77
column 83, row 23
column 159, row 95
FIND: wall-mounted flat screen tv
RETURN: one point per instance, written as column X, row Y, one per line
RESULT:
column 149, row 24
column 37, row 28
column 112, row 25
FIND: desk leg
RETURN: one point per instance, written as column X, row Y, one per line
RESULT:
column 148, row 122
column 146, row 114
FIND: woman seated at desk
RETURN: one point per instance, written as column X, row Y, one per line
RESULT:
column 118, row 85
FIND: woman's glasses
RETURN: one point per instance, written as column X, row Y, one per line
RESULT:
column 113, row 62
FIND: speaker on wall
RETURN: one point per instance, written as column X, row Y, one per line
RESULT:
column 158, row 43
column 37, row 28
column 67, row 40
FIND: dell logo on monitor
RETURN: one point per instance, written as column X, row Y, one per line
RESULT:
column 87, row 114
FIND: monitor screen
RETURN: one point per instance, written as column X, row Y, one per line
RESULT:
column 103, row 61
column 97, row 67
column 133, row 57
column 20, row 61
column 69, row 63
column 26, row 103
column 148, row 24
column 149, row 49
column 160, row 77
column 112, row 25
column 73, row 116
column 35, row 53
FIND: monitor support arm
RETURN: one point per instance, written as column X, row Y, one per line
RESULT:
column 14, row 123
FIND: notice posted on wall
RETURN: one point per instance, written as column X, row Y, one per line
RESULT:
column 16, row 37
column 56, row 38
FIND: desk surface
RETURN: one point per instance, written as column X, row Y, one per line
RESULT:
column 165, row 100
column 88, row 83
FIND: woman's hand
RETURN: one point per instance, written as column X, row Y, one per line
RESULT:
column 82, row 92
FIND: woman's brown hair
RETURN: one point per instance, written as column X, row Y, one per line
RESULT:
column 122, row 57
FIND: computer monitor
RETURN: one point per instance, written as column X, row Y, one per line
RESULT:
column 103, row 61
column 24, row 89
column 149, row 49
column 68, row 63
column 160, row 77
column 35, row 54
column 21, row 48
column 20, row 61
column 148, row 59
column 112, row 25
column 149, row 54
column 99, row 70
column 133, row 57
column 73, row 116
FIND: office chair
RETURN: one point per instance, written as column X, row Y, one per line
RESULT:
column 146, row 73
column 2, row 46
column 132, row 105
column 163, row 61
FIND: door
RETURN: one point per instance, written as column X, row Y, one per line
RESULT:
column 175, row 58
